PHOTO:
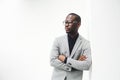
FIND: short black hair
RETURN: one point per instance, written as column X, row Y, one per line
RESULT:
column 78, row 18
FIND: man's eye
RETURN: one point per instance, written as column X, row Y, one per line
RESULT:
column 68, row 22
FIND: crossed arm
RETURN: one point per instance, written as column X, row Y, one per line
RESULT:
column 63, row 57
column 82, row 63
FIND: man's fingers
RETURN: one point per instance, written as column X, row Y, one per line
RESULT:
column 82, row 57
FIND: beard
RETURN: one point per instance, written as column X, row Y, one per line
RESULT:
column 71, row 32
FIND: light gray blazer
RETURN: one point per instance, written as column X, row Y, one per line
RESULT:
column 72, row 69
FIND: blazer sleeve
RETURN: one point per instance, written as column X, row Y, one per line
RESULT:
column 54, row 61
column 82, row 65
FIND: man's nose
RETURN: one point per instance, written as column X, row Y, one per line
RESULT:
column 66, row 25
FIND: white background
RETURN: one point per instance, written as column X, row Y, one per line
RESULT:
column 105, row 37
column 28, row 28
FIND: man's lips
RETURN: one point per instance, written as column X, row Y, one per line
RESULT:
column 67, row 29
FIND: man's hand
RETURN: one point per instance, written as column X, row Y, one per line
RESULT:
column 82, row 58
column 61, row 58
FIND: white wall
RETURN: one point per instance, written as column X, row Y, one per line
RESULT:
column 27, row 31
column 28, row 28
column 105, row 39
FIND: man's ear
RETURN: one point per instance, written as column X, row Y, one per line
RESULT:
column 79, row 24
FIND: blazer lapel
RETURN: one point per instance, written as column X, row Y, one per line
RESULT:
column 77, row 43
column 66, row 46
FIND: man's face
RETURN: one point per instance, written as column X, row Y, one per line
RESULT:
column 71, row 26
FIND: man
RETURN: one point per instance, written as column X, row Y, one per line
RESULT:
column 71, row 53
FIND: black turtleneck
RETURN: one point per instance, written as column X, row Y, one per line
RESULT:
column 71, row 41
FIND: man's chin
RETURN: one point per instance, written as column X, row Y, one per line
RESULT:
column 67, row 32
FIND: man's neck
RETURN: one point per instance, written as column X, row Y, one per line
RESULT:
column 73, row 35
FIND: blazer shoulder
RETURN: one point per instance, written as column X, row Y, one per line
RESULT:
column 61, row 37
column 84, row 40
column 60, row 40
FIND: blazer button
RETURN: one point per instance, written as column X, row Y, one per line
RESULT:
column 69, row 63
column 67, row 68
